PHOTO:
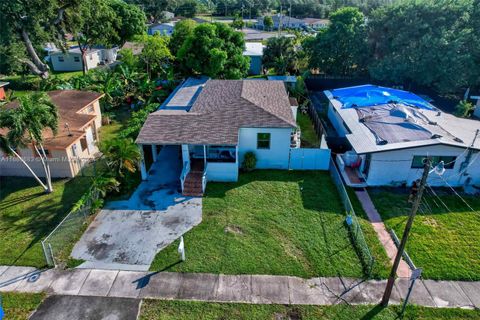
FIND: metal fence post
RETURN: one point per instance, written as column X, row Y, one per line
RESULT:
column 51, row 253
column 47, row 255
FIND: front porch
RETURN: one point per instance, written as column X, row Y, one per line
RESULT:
column 198, row 165
column 353, row 168
column 203, row 163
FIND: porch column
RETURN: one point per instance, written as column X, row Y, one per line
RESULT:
column 141, row 164
column 236, row 156
column 154, row 152
column 204, row 156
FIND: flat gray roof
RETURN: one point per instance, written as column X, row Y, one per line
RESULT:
column 442, row 128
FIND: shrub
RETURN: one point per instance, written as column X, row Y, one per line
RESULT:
column 464, row 109
column 249, row 161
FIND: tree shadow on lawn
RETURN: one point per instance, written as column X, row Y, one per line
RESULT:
column 39, row 213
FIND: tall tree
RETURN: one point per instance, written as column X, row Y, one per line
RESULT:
column 26, row 125
column 182, row 30
column 428, row 43
column 341, row 49
column 130, row 18
column 267, row 23
column 238, row 23
column 280, row 54
column 152, row 8
column 93, row 24
column 26, row 26
column 156, row 56
column 215, row 50
column 187, row 8
column 104, row 22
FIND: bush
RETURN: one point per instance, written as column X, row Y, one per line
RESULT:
column 464, row 109
column 249, row 161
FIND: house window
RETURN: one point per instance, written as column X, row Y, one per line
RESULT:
column 83, row 143
column 76, row 59
column 263, row 140
column 61, row 59
column 94, row 131
column 91, row 109
column 74, row 150
column 449, row 161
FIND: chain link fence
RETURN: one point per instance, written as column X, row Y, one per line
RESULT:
column 355, row 229
column 58, row 245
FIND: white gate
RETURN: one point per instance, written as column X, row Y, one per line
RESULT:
column 309, row 159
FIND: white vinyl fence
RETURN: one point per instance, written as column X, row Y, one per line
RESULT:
column 309, row 159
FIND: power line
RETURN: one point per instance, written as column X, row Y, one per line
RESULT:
column 456, row 193
column 440, row 199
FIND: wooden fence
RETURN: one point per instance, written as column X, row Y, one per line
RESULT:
column 317, row 122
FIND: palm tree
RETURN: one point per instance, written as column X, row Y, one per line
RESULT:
column 25, row 125
column 121, row 155
column 99, row 187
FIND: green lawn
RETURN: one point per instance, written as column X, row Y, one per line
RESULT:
column 19, row 306
column 28, row 215
column 445, row 244
column 65, row 75
column 309, row 138
column 269, row 222
column 183, row 310
column 120, row 117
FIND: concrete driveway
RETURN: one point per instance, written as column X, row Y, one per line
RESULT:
column 127, row 235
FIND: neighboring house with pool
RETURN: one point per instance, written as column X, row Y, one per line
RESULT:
column 390, row 132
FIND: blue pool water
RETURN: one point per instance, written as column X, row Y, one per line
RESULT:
column 370, row 95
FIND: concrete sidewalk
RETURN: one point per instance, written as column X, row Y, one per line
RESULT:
column 256, row 289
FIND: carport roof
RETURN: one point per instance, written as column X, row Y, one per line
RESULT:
column 219, row 111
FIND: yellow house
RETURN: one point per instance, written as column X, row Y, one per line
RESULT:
column 74, row 145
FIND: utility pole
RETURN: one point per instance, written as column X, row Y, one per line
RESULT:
column 406, row 232
column 280, row 19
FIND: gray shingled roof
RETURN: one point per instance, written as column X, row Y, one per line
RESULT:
column 221, row 109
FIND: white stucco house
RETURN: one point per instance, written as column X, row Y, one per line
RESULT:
column 283, row 21
column 254, row 50
column 164, row 29
column 214, row 123
column 391, row 132
column 74, row 145
column 71, row 60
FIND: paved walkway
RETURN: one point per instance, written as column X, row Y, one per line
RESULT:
column 257, row 289
column 403, row 270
